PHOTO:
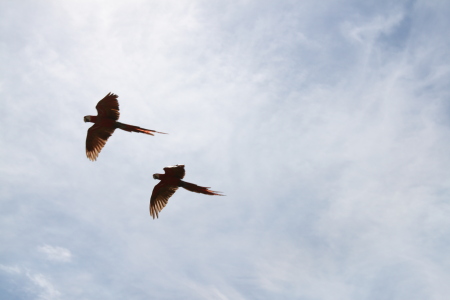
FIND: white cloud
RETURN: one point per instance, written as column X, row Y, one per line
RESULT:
column 48, row 291
column 325, row 125
column 9, row 269
column 59, row 254
column 41, row 288
column 372, row 29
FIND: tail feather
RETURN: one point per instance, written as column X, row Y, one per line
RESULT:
column 198, row 189
column 132, row 128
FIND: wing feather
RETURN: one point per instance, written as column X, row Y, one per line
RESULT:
column 160, row 196
column 108, row 107
column 96, row 139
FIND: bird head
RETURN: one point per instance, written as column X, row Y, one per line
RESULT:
column 155, row 176
column 87, row 119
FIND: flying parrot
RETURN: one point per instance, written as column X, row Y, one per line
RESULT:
column 104, row 125
column 170, row 182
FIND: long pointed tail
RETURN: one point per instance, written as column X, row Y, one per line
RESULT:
column 198, row 189
column 132, row 128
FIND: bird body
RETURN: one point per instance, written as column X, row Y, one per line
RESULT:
column 171, row 180
column 104, row 125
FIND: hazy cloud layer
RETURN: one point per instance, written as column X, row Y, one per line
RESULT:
column 327, row 127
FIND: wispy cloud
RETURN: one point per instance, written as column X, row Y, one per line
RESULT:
column 325, row 125
column 56, row 253
column 48, row 291
column 10, row 269
column 41, row 287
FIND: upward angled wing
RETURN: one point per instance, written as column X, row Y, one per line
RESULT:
column 96, row 139
column 175, row 171
column 160, row 196
column 108, row 107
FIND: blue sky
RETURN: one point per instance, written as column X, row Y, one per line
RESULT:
column 325, row 124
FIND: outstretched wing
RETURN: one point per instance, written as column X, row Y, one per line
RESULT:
column 160, row 195
column 96, row 139
column 108, row 107
column 175, row 171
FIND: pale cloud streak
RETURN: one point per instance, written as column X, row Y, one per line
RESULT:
column 48, row 291
column 58, row 254
column 41, row 288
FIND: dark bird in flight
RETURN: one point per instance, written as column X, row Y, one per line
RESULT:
column 104, row 125
column 170, row 182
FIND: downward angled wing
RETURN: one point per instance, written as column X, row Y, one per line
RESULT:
column 108, row 107
column 175, row 171
column 160, row 195
column 96, row 139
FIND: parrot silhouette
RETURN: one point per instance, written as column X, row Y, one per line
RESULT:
column 104, row 125
column 170, row 182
